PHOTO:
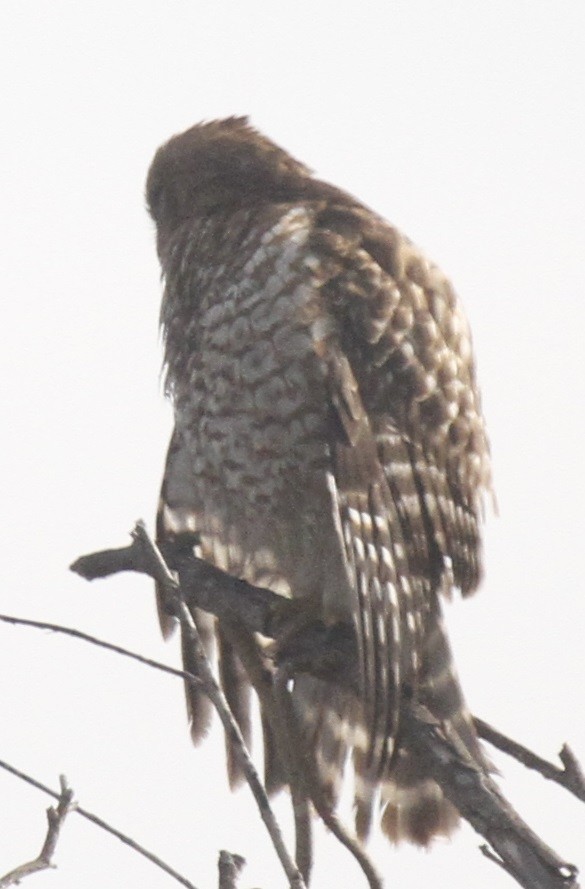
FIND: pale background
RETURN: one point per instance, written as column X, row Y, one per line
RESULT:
column 462, row 122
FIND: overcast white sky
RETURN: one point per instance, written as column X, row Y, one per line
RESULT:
column 462, row 122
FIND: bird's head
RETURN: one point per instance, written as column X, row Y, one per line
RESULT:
column 222, row 164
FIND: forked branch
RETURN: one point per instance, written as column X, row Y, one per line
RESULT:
column 56, row 816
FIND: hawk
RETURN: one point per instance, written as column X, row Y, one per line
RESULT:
column 328, row 442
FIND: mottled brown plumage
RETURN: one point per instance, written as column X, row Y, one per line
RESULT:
column 328, row 442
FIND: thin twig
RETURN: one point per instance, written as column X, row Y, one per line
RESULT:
column 214, row 693
column 55, row 818
column 570, row 777
column 101, row 643
column 89, row 816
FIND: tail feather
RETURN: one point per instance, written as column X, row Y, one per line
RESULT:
column 365, row 794
column 416, row 813
column 199, row 707
column 274, row 771
column 324, row 712
column 414, row 806
column 236, row 686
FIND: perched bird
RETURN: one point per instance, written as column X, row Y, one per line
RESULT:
column 328, row 442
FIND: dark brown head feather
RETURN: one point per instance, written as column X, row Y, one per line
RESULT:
column 217, row 165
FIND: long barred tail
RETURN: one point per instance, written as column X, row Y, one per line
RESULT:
column 409, row 803
column 414, row 806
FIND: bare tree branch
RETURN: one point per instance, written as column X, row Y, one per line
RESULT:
column 77, row 809
column 521, row 852
column 229, row 865
column 55, row 817
column 101, row 643
column 516, row 848
column 570, row 777
column 331, row 653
